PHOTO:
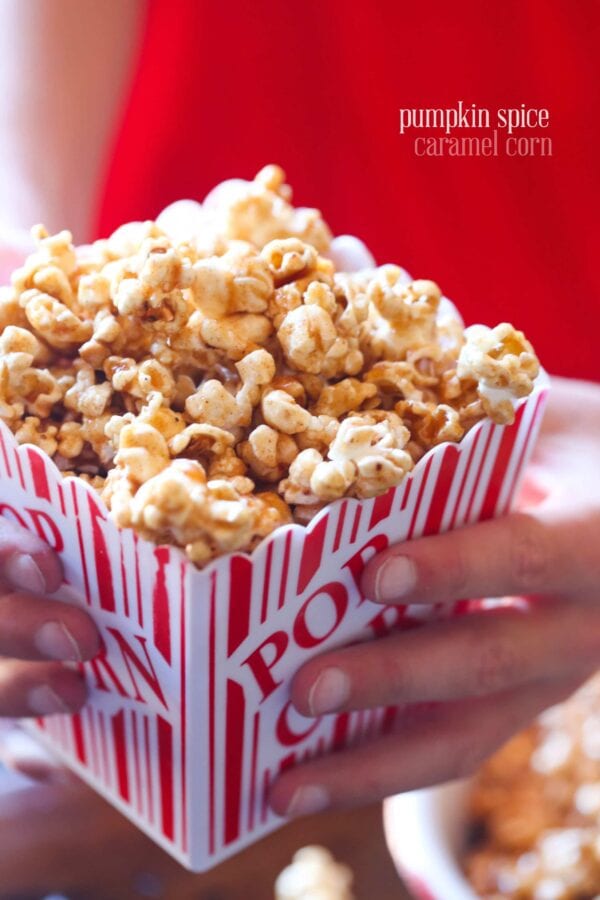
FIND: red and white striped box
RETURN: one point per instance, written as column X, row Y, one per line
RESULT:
column 189, row 719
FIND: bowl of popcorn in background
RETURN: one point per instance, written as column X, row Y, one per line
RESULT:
column 215, row 419
column 526, row 827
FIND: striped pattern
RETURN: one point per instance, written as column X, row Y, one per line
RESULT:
column 183, row 733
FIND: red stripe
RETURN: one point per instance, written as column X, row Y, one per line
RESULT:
column 119, row 744
column 464, row 479
column 183, row 663
column 389, row 718
column 78, row 738
column 443, row 485
column 19, row 468
column 287, row 762
column 124, row 581
column 381, row 508
column 312, row 553
column 501, row 464
column 234, row 747
column 161, row 613
column 136, row 762
column 38, row 472
column 355, row 524
column 138, row 583
column 5, row 455
column 478, row 476
column 266, row 583
column 424, row 478
column 61, row 499
column 264, row 806
column 93, row 740
column 255, row 729
column 340, row 525
column 406, row 492
column 284, row 570
column 104, row 575
column 340, row 731
column 211, row 717
column 149, row 781
column 524, row 451
column 104, row 748
column 240, row 588
column 165, row 760
column 86, row 581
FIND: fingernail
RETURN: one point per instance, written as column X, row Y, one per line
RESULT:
column 396, row 578
column 55, row 641
column 308, row 800
column 43, row 701
column 24, row 573
column 329, row 692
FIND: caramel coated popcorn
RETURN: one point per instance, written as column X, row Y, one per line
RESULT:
column 536, row 809
column 216, row 383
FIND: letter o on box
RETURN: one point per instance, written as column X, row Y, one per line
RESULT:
column 320, row 615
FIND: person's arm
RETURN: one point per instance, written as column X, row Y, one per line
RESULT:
column 65, row 66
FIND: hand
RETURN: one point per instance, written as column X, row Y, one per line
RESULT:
column 37, row 633
column 466, row 685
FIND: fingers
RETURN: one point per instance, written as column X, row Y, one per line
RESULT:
column 39, row 689
column 520, row 554
column 450, row 744
column 37, row 629
column 26, row 561
column 22, row 753
column 470, row 656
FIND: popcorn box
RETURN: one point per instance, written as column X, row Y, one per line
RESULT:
column 189, row 720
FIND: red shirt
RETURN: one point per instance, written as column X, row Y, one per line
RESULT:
column 223, row 88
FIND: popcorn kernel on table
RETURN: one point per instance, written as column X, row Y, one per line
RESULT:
column 214, row 386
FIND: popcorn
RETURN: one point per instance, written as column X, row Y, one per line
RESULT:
column 232, row 370
column 502, row 362
column 314, row 875
column 377, row 450
column 538, row 800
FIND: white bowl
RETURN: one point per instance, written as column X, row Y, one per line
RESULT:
column 426, row 832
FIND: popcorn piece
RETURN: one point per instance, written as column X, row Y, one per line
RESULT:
column 283, row 413
column 336, row 400
column 268, row 453
column 212, row 402
column 86, row 396
column 209, row 518
column 142, row 453
column 306, row 335
column 238, row 281
column 259, row 211
column 288, row 259
column 237, row 334
column 429, row 423
column 314, row 875
column 502, row 362
column 53, row 321
column 42, row 434
column 377, row 450
column 400, row 379
column 401, row 316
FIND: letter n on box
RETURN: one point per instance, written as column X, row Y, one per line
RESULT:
column 189, row 720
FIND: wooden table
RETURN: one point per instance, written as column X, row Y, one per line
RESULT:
column 66, row 840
